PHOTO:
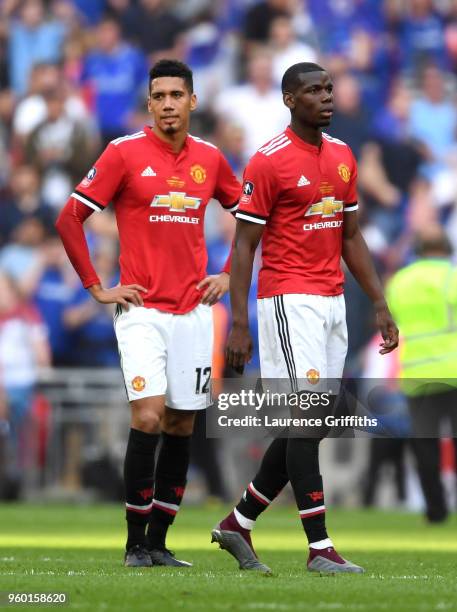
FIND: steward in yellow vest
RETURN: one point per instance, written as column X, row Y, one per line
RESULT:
column 423, row 300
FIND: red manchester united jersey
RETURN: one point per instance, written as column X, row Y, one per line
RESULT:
column 299, row 192
column 159, row 198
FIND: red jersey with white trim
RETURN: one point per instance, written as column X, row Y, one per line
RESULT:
column 159, row 199
column 299, row 192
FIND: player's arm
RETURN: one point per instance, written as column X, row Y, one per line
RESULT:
column 239, row 344
column 259, row 193
column 93, row 194
column 227, row 191
column 359, row 261
column 69, row 224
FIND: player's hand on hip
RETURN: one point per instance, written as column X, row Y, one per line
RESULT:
column 213, row 287
column 239, row 346
column 122, row 294
column 388, row 329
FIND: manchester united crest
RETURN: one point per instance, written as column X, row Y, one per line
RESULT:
column 198, row 173
column 313, row 376
column 344, row 172
column 138, row 383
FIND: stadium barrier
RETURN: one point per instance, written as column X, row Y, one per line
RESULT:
column 80, row 426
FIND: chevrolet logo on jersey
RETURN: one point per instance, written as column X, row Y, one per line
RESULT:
column 176, row 201
column 327, row 207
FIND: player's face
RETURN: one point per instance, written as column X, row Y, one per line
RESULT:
column 312, row 103
column 170, row 103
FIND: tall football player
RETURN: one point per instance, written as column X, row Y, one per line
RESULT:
column 159, row 181
column 299, row 196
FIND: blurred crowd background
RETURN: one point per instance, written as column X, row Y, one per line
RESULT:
column 73, row 76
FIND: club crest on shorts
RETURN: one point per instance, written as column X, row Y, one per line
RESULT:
column 138, row 383
column 313, row 376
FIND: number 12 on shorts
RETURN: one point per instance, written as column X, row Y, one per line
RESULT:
column 203, row 380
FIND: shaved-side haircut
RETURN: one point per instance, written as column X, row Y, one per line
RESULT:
column 291, row 79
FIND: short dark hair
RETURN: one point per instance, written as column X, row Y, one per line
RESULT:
column 110, row 17
column 436, row 242
column 172, row 68
column 291, row 79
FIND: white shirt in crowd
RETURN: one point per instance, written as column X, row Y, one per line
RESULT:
column 261, row 116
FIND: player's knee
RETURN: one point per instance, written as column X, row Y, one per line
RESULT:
column 147, row 421
column 178, row 423
column 147, row 414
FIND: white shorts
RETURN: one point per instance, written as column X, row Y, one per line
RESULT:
column 302, row 337
column 166, row 354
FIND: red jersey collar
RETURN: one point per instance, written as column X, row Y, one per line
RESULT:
column 301, row 143
column 161, row 143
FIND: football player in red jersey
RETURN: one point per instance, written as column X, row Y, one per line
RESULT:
column 159, row 181
column 299, row 196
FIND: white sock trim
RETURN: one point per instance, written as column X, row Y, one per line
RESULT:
column 243, row 521
column 321, row 544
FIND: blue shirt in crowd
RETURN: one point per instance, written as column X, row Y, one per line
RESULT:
column 117, row 78
column 28, row 47
column 92, row 10
column 422, row 41
column 94, row 342
column 52, row 296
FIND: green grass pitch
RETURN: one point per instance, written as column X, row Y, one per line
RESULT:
column 78, row 550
